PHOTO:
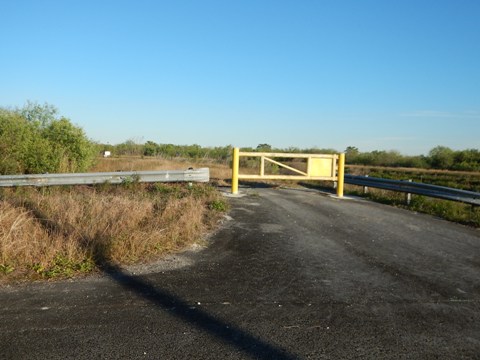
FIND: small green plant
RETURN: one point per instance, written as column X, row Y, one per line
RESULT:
column 218, row 205
column 6, row 269
column 38, row 268
column 86, row 266
column 130, row 181
column 62, row 266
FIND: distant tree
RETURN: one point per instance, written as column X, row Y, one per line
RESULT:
column 105, row 147
column 441, row 157
column 219, row 153
column 129, row 147
column 293, row 150
column 352, row 150
column 247, row 149
column 194, row 151
column 150, row 148
column 167, row 150
column 351, row 153
column 264, row 147
column 468, row 160
column 316, row 150
column 419, row 162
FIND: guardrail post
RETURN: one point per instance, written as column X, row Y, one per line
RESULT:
column 408, row 196
column 235, row 169
column 340, row 174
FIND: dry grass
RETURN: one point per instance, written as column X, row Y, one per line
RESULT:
column 61, row 232
column 22, row 239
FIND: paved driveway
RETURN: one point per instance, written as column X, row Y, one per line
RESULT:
column 291, row 275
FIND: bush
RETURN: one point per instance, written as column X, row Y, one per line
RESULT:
column 33, row 141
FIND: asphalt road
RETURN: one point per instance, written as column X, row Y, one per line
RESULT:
column 292, row 275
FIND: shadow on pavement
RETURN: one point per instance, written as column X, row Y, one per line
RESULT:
column 226, row 332
column 253, row 184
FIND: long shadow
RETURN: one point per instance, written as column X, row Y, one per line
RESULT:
column 254, row 184
column 227, row 332
column 319, row 187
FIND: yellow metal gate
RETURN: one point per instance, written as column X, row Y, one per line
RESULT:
column 315, row 167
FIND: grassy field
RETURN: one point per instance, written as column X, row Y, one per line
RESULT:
column 60, row 232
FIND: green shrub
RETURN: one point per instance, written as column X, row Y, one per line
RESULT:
column 34, row 141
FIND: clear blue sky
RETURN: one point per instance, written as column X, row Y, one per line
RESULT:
column 378, row 75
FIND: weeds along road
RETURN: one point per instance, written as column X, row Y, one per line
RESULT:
column 292, row 275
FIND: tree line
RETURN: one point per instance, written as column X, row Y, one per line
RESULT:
column 34, row 139
column 169, row 151
column 440, row 157
column 195, row 151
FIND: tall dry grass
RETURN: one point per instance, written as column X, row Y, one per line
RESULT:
column 52, row 232
column 22, row 238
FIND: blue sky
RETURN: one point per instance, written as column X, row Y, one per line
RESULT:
column 378, row 75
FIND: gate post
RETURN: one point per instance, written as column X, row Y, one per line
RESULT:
column 340, row 174
column 235, row 168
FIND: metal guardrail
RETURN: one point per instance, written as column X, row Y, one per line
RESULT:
column 191, row 175
column 440, row 192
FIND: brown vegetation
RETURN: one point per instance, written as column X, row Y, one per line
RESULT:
column 60, row 232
